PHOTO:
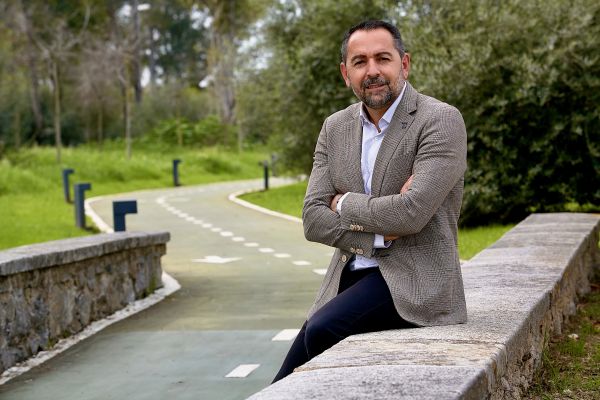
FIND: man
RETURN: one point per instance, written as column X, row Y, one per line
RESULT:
column 385, row 191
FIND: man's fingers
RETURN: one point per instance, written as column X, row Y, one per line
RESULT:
column 388, row 238
column 406, row 185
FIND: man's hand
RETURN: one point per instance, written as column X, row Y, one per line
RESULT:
column 334, row 202
column 404, row 189
column 406, row 185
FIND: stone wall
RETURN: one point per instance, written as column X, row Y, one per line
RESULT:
column 52, row 290
column 519, row 292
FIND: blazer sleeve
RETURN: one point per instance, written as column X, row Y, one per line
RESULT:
column 440, row 163
column 321, row 224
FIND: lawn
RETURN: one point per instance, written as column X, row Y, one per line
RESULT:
column 288, row 200
column 32, row 206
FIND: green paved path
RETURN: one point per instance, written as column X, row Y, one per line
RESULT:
column 224, row 315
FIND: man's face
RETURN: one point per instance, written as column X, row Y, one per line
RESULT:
column 374, row 69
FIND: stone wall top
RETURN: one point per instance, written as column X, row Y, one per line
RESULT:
column 47, row 254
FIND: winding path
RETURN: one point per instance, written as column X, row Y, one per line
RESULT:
column 247, row 281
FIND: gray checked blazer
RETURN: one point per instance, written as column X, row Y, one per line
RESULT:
column 426, row 138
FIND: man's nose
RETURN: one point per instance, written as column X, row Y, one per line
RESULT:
column 372, row 68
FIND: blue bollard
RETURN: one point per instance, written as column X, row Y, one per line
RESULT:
column 120, row 209
column 266, row 173
column 176, row 172
column 65, row 177
column 79, row 193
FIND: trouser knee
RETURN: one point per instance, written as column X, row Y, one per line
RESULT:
column 318, row 337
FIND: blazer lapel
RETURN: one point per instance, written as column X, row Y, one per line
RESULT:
column 353, row 151
column 401, row 121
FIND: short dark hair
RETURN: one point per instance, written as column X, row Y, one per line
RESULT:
column 370, row 25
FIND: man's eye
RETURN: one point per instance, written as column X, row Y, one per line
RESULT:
column 357, row 63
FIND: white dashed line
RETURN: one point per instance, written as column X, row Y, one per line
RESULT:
column 198, row 222
column 242, row 371
column 320, row 271
column 251, row 244
column 226, row 234
column 286, row 335
column 266, row 250
column 238, row 239
column 216, row 229
column 282, row 255
column 301, row 263
column 190, row 219
column 206, row 225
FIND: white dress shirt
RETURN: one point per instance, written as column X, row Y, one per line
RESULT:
column 371, row 142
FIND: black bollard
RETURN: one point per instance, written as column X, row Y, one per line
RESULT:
column 79, row 193
column 65, row 177
column 266, row 173
column 176, row 172
column 120, row 209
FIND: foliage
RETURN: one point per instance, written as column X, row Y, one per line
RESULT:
column 208, row 131
column 526, row 76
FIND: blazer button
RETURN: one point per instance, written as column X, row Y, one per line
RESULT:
column 359, row 251
column 344, row 258
column 361, row 228
column 352, row 227
column 352, row 250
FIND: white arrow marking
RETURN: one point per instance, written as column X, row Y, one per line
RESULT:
column 286, row 335
column 216, row 260
column 242, row 371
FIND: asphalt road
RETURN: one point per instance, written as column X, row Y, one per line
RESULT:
column 245, row 277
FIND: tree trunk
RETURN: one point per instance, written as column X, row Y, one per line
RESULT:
column 57, row 115
column 126, row 116
column 136, row 62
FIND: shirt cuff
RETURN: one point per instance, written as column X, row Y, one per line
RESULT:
column 379, row 243
column 338, row 206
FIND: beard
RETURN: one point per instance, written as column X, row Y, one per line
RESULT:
column 378, row 100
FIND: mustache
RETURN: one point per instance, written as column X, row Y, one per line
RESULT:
column 374, row 81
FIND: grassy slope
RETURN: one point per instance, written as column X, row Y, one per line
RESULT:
column 32, row 208
column 288, row 200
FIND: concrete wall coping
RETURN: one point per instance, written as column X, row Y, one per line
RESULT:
column 58, row 252
column 518, row 290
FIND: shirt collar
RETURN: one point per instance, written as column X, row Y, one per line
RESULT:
column 387, row 117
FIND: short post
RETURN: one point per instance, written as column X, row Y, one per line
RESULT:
column 176, row 172
column 266, row 174
column 79, row 193
column 120, row 209
column 65, row 177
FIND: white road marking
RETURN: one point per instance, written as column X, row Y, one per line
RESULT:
column 226, row 234
column 238, row 239
column 198, row 222
column 190, row 219
column 286, row 335
column 282, row 255
column 251, row 244
column 301, row 263
column 320, row 271
column 266, row 250
column 216, row 229
column 242, row 371
column 206, row 225
column 215, row 260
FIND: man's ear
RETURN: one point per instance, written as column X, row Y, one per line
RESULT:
column 406, row 65
column 344, row 72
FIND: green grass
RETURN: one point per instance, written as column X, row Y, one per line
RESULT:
column 288, row 200
column 32, row 206
column 571, row 364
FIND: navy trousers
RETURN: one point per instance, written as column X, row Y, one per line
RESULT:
column 363, row 304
